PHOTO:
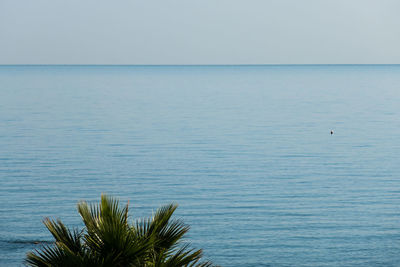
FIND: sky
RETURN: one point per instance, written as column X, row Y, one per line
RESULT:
column 199, row 32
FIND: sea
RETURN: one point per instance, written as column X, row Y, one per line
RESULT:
column 245, row 151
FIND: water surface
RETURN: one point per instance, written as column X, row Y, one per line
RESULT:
column 246, row 151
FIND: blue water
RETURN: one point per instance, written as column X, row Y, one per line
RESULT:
column 246, row 151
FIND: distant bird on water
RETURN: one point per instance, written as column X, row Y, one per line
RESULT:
column 331, row 132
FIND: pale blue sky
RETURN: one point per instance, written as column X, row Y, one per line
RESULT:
column 199, row 31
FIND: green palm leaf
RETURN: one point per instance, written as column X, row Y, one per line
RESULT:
column 109, row 240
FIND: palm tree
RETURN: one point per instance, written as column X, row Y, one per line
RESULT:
column 109, row 240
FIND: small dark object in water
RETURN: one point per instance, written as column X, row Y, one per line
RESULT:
column 331, row 132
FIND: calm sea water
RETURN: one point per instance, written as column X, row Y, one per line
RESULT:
column 246, row 151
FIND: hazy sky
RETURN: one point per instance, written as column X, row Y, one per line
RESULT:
column 199, row 31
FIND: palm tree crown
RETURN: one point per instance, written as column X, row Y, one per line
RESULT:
column 108, row 239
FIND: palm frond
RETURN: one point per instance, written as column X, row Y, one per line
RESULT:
column 61, row 234
column 109, row 240
column 48, row 256
column 181, row 257
column 167, row 232
column 109, row 234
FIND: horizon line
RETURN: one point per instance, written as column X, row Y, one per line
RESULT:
column 206, row 65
